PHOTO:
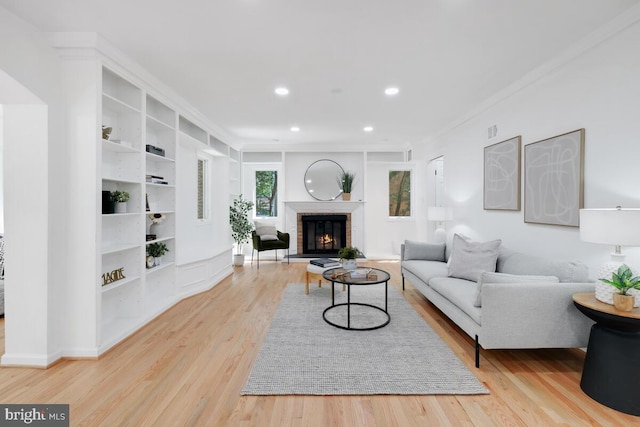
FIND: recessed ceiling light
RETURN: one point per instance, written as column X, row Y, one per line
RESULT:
column 390, row 91
column 368, row 128
column 295, row 129
column 282, row 91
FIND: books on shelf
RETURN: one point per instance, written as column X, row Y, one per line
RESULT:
column 153, row 179
column 325, row 262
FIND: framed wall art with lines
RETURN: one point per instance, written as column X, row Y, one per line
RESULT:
column 554, row 180
column 502, row 175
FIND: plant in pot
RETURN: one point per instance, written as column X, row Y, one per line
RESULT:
column 624, row 281
column 241, row 227
column 156, row 250
column 345, row 182
column 348, row 256
column 120, row 199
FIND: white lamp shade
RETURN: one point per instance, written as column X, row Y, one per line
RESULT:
column 439, row 213
column 619, row 227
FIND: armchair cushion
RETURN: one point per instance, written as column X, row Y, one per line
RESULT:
column 266, row 231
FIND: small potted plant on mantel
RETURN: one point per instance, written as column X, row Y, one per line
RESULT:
column 624, row 281
column 241, row 227
column 120, row 199
column 348, row 256
column 345, row 182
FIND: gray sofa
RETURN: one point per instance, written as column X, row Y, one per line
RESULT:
column 522, row 302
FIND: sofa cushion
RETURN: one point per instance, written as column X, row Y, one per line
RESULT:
column 488, row 277
column 469, row 258
column 460, row 292
column 425, row 270
column 512, row 262
column 266, row 231
column 423, row 251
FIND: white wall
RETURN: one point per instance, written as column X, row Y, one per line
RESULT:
column 598, row 90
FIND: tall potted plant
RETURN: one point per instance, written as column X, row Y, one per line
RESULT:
column 240, row 226
column 345, row 182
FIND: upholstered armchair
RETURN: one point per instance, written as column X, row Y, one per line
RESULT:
column 266, row 238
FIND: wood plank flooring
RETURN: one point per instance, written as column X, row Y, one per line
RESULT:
column 188, row 366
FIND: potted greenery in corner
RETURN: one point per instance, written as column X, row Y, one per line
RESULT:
column 348, row 257
column 120, row 199
column 345, row 182
column 241, row 228
column 156, row 250
column 624, row 281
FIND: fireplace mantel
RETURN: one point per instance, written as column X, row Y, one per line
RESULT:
column 355, row 208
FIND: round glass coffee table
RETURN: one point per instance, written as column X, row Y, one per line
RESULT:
column 363, row 277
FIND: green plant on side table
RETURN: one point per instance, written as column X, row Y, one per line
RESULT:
column 155, row 251
column 241, row 227
column 624, row 281
column 120, row 199
column 348, row 256
column 345, row 182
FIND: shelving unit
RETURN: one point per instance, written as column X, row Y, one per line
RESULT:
column 137, row 120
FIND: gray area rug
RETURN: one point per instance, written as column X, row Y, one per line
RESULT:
column 302, row 354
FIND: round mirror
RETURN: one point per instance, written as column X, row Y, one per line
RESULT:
column 321, row 180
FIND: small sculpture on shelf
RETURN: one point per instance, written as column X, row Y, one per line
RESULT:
column 106, row 131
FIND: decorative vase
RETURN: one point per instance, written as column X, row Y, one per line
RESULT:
column 121, row 207
column 349, row 264
column 157, row 261
column 346, row 196
column 152, row 229
column 623, row 302
column 238, row 260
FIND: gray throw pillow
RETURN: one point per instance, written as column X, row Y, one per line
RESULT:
column 423, row 251
column 266, row 231
column 469, row 258
column 488, row 277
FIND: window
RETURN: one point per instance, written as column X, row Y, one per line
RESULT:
column 266, row 193
column 400, row 193
column 203, row 199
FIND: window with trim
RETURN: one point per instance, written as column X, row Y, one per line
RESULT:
column 399, row 193
column 266, row 193
column 203, row 198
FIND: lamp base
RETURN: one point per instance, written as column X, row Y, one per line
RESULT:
column 440, row 235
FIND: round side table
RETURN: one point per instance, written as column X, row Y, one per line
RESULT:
column 611, row 374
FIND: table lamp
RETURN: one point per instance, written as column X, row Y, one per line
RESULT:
column 439, row 214
column 618, row 227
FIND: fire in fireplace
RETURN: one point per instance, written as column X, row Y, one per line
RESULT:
column 323, row 234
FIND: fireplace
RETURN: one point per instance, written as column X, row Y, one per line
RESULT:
column 323, row 234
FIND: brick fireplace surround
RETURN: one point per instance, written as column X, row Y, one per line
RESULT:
column 299, row 225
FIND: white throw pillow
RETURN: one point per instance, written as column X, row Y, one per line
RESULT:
column 487, row 277
column 266, row 231
column 469, row 258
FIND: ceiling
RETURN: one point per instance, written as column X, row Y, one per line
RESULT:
column 226, row 57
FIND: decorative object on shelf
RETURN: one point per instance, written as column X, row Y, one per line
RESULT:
column 120, row 198
column 113, row 276
column 319, row 180
column 348, row 256
column 157, row 251
column 502, row 175
column 345, row 182
column 618, row 227
column 107, row 205
column 150, row 261
column 155, row 150
column 624, row 281
column 106, row 131
column 156, row 218
column 241, row 227
column 148, row 208
column 554, row 176
column 439, row 214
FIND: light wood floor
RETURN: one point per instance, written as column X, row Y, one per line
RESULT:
column 187, row 368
